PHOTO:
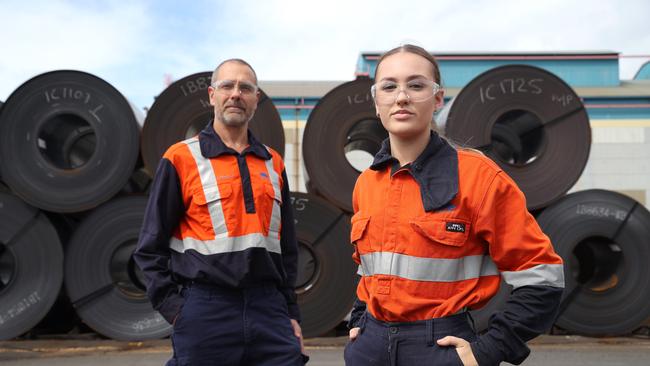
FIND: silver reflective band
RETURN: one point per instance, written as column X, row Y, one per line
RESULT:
column 227, row 245
column 210, row 188
column 276, row 217
column 428, row 269
column 540, row 275
column 360, row 271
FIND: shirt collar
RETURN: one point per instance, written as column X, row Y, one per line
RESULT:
column 212, row 145
column 435, row 171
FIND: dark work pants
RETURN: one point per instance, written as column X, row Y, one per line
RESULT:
column 407, row 344
column 218, row 326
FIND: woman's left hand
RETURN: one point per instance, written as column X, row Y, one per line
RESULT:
column 462, row 347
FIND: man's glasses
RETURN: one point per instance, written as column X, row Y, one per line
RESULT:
column 227, row 87
column 418, row 90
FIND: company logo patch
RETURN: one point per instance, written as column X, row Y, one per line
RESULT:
column 456, row 227
column 264, row 175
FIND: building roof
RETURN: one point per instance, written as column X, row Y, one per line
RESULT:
column 302, row 88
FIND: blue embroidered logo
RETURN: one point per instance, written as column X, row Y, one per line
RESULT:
column 264, row 175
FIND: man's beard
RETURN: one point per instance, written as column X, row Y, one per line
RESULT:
column 234, row 120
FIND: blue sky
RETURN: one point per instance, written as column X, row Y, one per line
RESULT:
column 134, row 44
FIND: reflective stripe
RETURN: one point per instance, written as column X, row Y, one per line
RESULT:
column 541, row 275
column 360, row 271
column 427, row 269
column 210, row 188
column 276, row 218
column 227, row 245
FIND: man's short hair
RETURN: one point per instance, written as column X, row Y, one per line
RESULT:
column 237, row 60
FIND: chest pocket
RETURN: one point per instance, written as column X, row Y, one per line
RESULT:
column 446, row 231
column 213, row 203
column 358, row 234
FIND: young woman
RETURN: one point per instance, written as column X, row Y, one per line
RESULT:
column 434, row 230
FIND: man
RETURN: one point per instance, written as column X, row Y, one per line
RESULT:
column 218, row 244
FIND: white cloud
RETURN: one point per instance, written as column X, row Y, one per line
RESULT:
column 40, row 36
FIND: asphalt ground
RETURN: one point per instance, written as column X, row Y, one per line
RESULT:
column 546, row 350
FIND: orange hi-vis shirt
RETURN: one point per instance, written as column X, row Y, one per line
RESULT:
column 419, row 264
column 216, row 218
column 220, row 218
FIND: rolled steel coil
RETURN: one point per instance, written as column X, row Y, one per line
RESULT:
column 31, row 266
column 326, row 283
column 103, row 282
column 183, row 109
column 528, row 121
column 342, row 123
column 69, row 141
column 604, row 239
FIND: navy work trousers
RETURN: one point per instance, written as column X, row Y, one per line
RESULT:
column 219, row 326
column 407, row 344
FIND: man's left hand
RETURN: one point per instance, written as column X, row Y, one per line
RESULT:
column 297, row 331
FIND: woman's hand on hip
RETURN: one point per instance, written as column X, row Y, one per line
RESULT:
column 462, row 347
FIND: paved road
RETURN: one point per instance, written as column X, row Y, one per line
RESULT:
column 556, row 350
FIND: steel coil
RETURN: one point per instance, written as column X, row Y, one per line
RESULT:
column 104, row 284
column 326, row 283
column 604, row 239
column 527, row 120
column 31, row 266
column 69, row 141
column 342, row 124
column 182, row 110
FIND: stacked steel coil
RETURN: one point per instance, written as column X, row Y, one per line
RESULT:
column 528, row 121
column 604, row 239
column 326, row 284
column 70, row 151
